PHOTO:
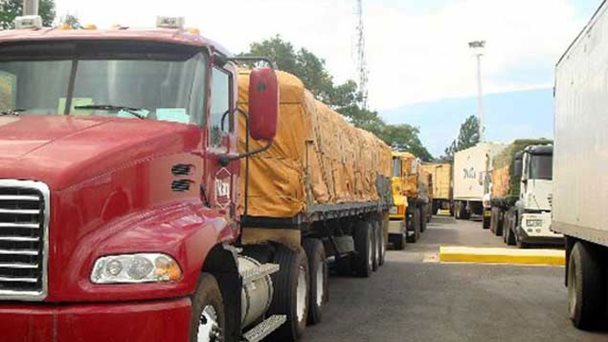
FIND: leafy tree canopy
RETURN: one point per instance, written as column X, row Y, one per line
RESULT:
column 467, row 137
column 10, row 9
column 344, row 98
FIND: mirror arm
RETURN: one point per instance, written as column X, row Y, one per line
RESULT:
column 225, row 159
column 266, row 60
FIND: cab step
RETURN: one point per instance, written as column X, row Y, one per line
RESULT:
column 260, row 331
column 254, row 274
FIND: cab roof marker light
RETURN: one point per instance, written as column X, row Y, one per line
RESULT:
column 170, row 22
column 28, row 22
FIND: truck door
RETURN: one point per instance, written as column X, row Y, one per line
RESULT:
column 222, row 180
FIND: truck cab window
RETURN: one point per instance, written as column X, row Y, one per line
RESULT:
column 220, row 119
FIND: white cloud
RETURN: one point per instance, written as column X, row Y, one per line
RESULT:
column 412, row 57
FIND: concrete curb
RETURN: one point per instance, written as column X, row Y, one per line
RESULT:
column 502, row 256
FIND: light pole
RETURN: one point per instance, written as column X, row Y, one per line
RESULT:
column 477, row 47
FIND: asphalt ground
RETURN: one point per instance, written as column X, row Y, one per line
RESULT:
column 413, row 297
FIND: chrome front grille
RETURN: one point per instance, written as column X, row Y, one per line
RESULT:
column 24, row 218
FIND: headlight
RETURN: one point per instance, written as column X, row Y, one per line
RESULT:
column 135, row 268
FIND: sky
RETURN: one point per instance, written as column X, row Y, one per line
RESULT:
column 416, row 50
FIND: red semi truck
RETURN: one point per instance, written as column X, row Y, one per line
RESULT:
column 119, row 222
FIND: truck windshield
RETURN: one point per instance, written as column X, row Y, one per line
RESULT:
column 396, row 167
column 541, row 167
column 160, row 81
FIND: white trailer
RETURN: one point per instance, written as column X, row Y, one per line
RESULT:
column 580, row 164
column 471, row 178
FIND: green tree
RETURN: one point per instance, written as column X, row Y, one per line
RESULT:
column 10, row 9
column 467, row 137
column 404, row 137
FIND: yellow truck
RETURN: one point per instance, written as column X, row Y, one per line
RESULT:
column 441, row 190
column 410, row 200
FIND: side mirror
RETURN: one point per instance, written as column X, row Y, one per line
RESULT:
column 263, row 104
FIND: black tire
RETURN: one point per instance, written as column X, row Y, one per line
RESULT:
column 208, row 299
column 380, row 243
column 423, row 220
column 493, row 220
column 586, row 287
column 414, row 227
column 505, row 228
column 518, row 241
column 510, row 237
column 499, row 222
column 485, row 221
column 293, row 265
column 318, row 294
column 362, row 261
column 376, row 251
column 398, row 241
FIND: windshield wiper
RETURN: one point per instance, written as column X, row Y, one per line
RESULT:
column 130, row 110
column 14, row 111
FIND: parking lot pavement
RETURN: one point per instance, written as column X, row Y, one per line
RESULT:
column 416, row 298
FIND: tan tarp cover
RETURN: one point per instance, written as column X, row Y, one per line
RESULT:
column 502, row 184
column 442, row 178
column 317, row 157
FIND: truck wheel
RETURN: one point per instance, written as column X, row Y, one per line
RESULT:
column 375, row 243
column 398, row 241
column 485, row 221
column 380, row 243
column 499, row 222
column 505, row 227
column 510, row 233
column 207, row 322
column 290, row 293
column 518, row 241
column 423, row 220
column 362, row 261
column 456, row 210
column 317, row 265
column 586, row 287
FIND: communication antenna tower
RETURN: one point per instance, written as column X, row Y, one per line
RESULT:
column 361, row 63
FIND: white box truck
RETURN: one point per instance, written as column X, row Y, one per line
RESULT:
column 471, row 178
column 580, row 166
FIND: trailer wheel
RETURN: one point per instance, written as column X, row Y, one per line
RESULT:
column 423, row 219
column 485, row 221
column 398, row 241
column 207, row 322
column 415, row 223
column 505, row 228
column 380, row 243
column 456, row 210
column 510, row 233
column 317, row 265
column 362, row 261
column 493, row 220
column 375, row 244
column 499, row 222
column 290, row 293
column 586, row 287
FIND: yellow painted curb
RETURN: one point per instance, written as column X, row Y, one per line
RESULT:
column 502, row 256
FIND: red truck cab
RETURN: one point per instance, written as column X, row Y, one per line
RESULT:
column 118, row 183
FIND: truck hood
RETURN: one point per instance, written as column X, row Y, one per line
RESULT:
column 65, row 150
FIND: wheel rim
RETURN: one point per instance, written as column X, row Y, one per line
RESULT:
column 572, row 301
column 301, row 290
column 208, row 327
column 320, row 277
